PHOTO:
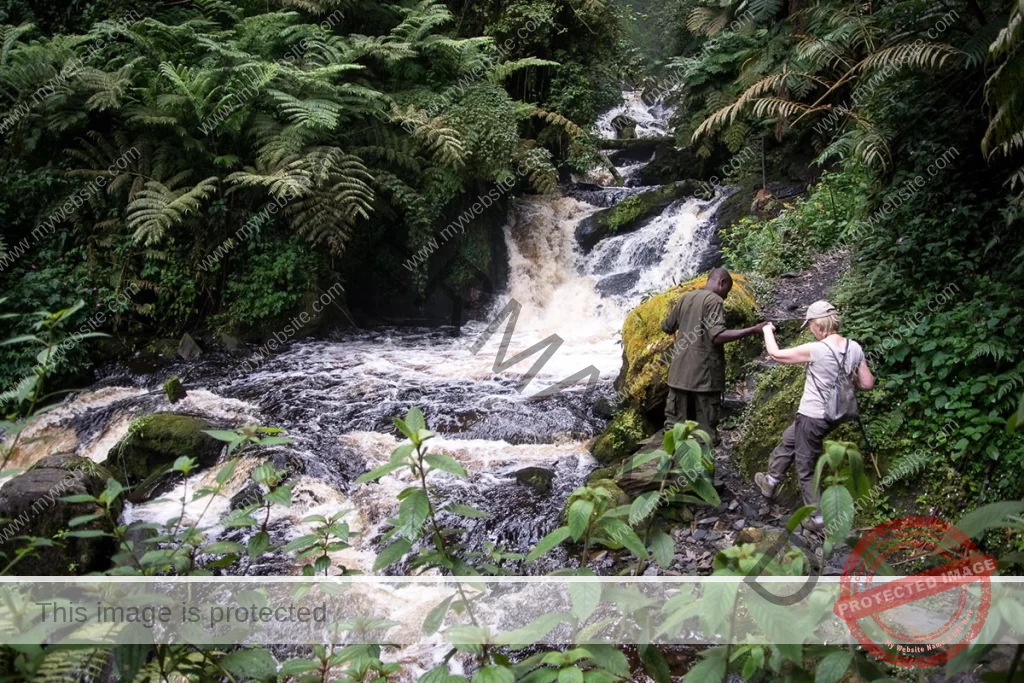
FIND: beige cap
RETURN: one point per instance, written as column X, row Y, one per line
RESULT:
column 819, row 309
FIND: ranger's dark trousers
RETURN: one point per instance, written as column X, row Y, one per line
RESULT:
column 802, row 441
column 703, row 407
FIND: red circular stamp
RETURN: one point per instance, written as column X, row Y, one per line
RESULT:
column 881, row 616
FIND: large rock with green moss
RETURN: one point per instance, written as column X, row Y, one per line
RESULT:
column 621, row 438
column 642, row 382
column 155, row 441
column 33, row 503
column 627, row 214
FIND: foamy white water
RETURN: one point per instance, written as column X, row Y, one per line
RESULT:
column 652, row 120
column 337, row 398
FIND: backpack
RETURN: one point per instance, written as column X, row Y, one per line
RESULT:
column 840, row 399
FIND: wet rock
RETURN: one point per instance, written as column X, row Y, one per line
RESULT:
column 748, row 511
column 628, row 214
column 764, row 538
column 620, row 283
column 739, row 524
column 603, row 407
column 699, row 534
column 707, row 521
column 713, row 536
column 33, row 499
column 733, row 504
column 231, row 343
column 537, row 478
column 625, row 127
column 250, row 494
column 154, row 442
column 174, row 390
column 602, row 473
column 749, row 535
column 188, row 349
column 621, row 437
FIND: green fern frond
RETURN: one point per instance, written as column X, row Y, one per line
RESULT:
column 10, row 37
column 220, row 10
column 919, row 56
column 72, row 664
column 158, row 208
column 500, row 72
column 312, row 113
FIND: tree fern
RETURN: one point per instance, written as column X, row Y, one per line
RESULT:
column 1005, row 132
column 309, row 113
column 505, row 69
column 921, row 56
column 158, row 208
column 10, row 36
column 763, row 10
column 708, row 21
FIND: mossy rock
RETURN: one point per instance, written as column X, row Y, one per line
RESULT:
column 642, row 382
column 627, row 214
column 154, row 442
column 621, row 438
column 537, row 478
column 33, row 501
column 602, row 473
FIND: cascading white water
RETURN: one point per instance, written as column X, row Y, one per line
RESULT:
column 337, row 398
column 652, row 119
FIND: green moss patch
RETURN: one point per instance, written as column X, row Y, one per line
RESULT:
column 622, row 437
column 154, row 442
column 627, row 214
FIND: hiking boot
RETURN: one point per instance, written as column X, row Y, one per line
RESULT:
column 766, row 488
column 812, row 524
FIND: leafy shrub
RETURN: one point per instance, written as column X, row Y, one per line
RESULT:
column 806, row 226
column 278, row 274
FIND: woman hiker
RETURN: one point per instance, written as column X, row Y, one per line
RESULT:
column 825, row 359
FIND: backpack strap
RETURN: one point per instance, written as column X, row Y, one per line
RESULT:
column 840, row 361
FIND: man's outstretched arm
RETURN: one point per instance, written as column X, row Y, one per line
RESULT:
column 732, row 335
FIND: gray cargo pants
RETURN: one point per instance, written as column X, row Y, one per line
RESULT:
column 802, row 441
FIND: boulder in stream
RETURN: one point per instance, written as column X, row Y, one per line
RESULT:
column 155, row 441
column 32, row 501
column 188, row 349
column 537, row 478
column 628, row 213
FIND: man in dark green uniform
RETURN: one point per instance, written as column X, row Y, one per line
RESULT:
column 696, row 378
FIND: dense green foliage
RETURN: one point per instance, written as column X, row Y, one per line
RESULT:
column 225, row 159
column 887, row 95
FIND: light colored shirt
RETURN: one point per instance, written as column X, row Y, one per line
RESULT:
column 822, row 372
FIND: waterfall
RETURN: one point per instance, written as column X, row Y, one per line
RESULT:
column 337, row 397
